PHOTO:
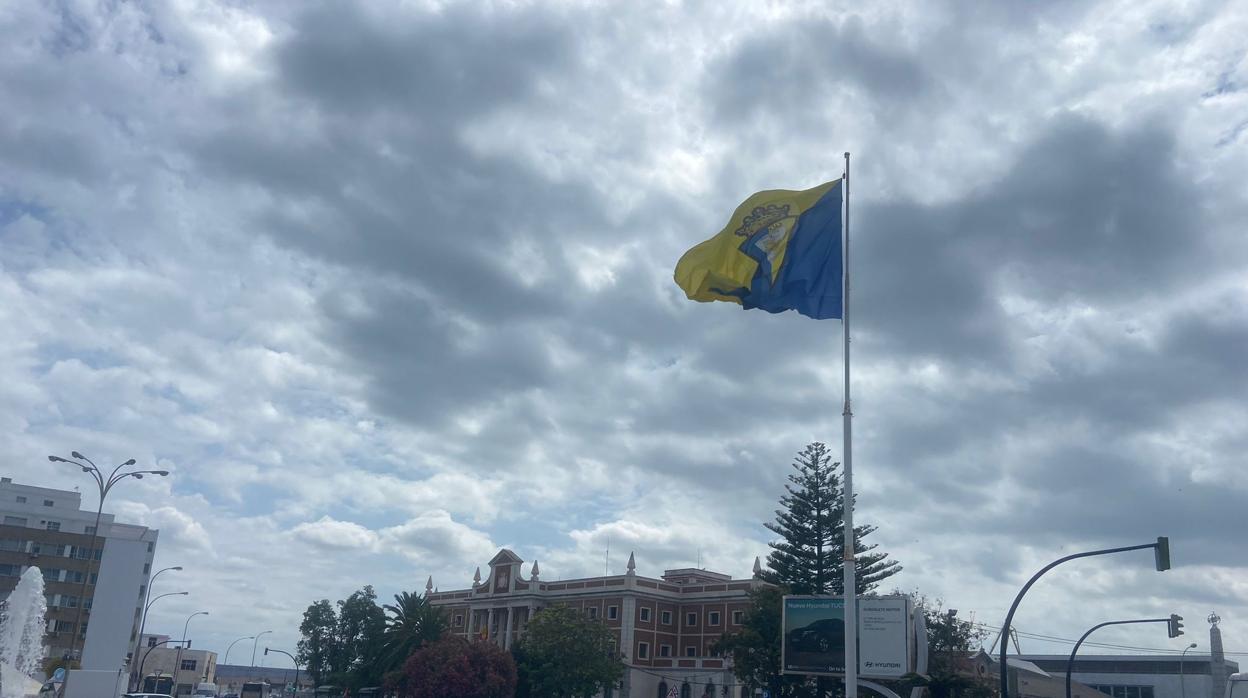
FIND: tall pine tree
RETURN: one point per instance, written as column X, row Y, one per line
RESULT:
column 808, row 557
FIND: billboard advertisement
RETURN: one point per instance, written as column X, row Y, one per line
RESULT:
column 883, row 637
column 813, row 636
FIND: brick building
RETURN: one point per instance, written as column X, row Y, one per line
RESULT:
column 664, row 627
column 47, row 528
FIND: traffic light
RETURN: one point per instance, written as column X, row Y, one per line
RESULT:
column 1162, row 552
column 266, row 649
column 1175, row 627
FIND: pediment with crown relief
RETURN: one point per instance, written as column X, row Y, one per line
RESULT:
column 505, row 557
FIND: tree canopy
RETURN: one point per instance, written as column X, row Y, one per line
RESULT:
column 411, row 622
column 456, row 668
column 344, row 644
column 564, row 655
column 811, row 524
column 318, row 646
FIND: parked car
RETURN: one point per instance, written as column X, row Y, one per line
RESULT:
column 820, row 636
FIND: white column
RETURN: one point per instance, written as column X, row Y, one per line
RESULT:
column 472, row 621
column 511, row 624
column 489, row 625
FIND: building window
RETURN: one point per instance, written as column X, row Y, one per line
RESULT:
column 645, row 614
column 151, row 547
column 53, row 525
column 189, row 664
column 592, row 612
column 738, row 617
column 90, row 530
column 15, row 521
column 151, row 641
column 662, row 689
column 1121, row 691
column 665, row 650
column 691, row 619
column 613, row 612
column 643, row 650
column 667, row 618
column 12, row 544
column 685, row 690
column 459, row 619
column 691, row 651
column 147, row 567
column 64, row 626
column 10, row 571
column 712, row 618
column 21, row 499
column 47, row 502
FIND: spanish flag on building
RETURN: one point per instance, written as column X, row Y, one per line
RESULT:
column 781, row 250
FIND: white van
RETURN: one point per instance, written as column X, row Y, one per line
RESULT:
column 208, row 690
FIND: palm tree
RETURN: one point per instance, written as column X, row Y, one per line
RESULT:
column 411, row 622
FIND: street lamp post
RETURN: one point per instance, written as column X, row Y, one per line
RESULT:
column 177, row 662
column 148, row 606
column 227, row 649
column 147, row 601
column 1161, row 547
column 105, row 484
column 1182, row 683
column 292, row 658
column 1070, row 663
column 253, row 647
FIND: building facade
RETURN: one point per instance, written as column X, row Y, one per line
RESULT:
column 1139, row 676
column 187, row 667
column 664, row 627
column 47, row 528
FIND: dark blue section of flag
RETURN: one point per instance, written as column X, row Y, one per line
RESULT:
column 810, row 280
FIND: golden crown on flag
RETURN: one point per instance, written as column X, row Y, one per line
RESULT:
column 762, row 217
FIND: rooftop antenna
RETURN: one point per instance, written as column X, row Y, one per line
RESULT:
column 699, row 558
column 606, row 561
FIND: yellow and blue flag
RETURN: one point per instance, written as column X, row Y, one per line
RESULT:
column 780, row 251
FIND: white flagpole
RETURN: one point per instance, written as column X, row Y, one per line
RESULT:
column 851, row 586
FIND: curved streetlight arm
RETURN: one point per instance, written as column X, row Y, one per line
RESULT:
column 1070, row 663
column 188, row 622
column 158, row 598
column 227, row 649
column 1009, row 618
column 149, row 651
column 254, row 644
column 1182, row 678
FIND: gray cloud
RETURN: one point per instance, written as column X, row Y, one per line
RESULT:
column 359, row 274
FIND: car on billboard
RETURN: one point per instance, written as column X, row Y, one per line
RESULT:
column 822, row 636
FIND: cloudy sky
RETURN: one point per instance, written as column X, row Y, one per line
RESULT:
column 389, row 287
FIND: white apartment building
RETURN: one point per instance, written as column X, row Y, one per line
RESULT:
column 48, row 529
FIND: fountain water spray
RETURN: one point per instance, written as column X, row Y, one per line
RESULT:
column 22, row 624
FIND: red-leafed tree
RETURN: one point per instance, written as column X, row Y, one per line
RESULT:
column 456, row 668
